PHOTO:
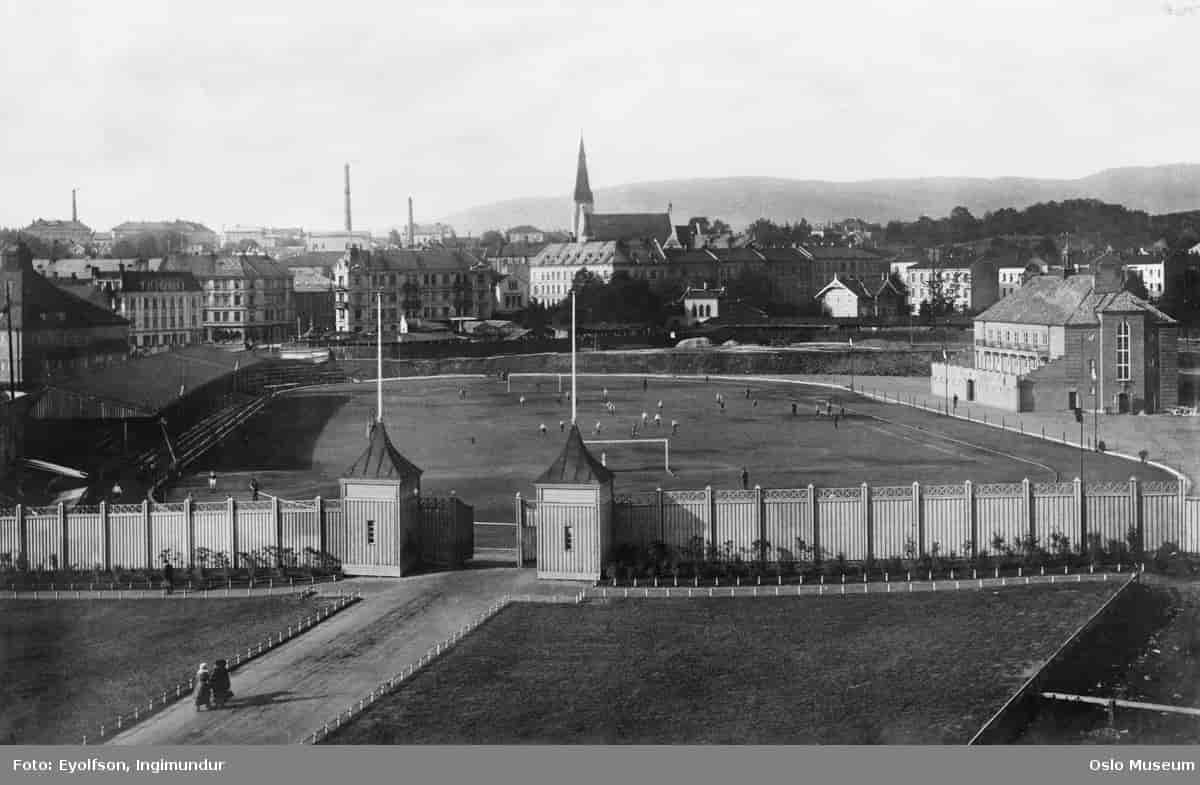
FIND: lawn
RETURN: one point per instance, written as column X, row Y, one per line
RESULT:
column 904, row 669
column 487, row 446
column 70, row 665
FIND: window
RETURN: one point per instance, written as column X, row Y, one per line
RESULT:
column 1123, row 351
column 370, row 532
column 567, row 539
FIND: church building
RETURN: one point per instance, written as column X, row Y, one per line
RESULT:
column 603, row 243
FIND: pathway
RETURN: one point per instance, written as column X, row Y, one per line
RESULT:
column 286, row 694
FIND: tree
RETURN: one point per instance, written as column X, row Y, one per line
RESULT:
column 751, row 287
column 394, row 238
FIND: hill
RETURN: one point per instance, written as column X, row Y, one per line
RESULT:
column 741, row 200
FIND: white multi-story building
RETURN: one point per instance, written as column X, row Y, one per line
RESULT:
column 968, row 287
column 340, row 240
column 1153, row 273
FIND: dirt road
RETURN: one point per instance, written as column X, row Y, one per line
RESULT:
column 289, row 692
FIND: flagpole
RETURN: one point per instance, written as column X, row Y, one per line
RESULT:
column 379, row 356
column 573, row 384
column 12, row 370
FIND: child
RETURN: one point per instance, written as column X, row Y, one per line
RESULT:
column 203, row 692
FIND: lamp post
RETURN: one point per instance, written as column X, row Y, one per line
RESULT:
column 851, row 365
column 1095, row 413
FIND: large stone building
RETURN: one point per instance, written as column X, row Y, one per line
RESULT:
column 245, row 299
column 1068, row 341
column 53, row 332
column 65, row 233
column 969, row 287
column 163, row 308
column 433, row 285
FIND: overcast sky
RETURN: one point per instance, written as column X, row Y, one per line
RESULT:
column 244, row 112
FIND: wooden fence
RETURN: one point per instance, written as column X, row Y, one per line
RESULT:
column 275, row 533
column 958, row 520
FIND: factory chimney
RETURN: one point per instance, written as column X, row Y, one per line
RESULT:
column 412, row 228
column 348, row 226
column 74, row 212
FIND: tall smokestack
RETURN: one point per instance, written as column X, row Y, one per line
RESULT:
column 412, row 228
column 74, row 212
column 348, row 226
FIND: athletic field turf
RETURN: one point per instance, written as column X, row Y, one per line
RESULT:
column 487, row 446
column 884, row 669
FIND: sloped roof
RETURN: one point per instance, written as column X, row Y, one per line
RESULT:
column 822, row 253
column 46, row 305
column 381, row 460
column 629, row 226
column 583, row 191
column 416, row 259
column 850, row 284
column 1048, row 299
column 523, row 229
column 575, row 465
column 151, row 384
column 205, row 266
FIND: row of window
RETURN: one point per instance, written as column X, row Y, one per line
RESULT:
column 152, row 303
column 427, row 279
column 269, row 315
column 1025, row 337
column 160, row 339
column 145, row 321
column 1009, row 363
column 234, row 284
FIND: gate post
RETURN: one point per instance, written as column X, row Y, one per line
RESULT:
column 106, row 535
column 277, row 515
column 322, row 539
column 519, row 517
column 1080, row 511
column 760, row 519
column 149, row 529
column 62, row 530
column 231, row 511
column 190, row 521
column 918, row 518
column 661, row 516
column 866, row 516
column 712, row 515
column 973, row 516
column 1139, row 520
column 1027, row 503
column 816, row 528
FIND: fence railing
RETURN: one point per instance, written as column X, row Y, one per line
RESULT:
column 149, row 589
column 124, row 721
column 894, row 522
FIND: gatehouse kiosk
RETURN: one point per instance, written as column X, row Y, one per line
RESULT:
column 574, row 514
column 381, row 502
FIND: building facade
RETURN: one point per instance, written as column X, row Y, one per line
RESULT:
column 846, row 298
column 432, row 285
column 312, row 289
column 337, row 241
column 163, row 308
column 63, row 232
column 969, row 287
column 1069, row 341
column 197, row 237
column 53, row 332
column 245, row 299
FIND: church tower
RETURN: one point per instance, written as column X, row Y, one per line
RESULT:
column 583, row 198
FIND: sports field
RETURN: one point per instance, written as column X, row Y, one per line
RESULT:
column 487, row 446
column 881, row 669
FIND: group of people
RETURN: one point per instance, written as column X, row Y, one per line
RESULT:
column 212, row 687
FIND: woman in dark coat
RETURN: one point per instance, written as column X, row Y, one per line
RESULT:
column 220, row 684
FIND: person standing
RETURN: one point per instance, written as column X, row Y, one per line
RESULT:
column 657, row 420
column 542, row 429
column 645, row 384
column 660, row 404
column 253, row 489
column 674, row 427
column 562, row 426
column 219, row 683
column 745, row 479
column 793, row 408
column 203, row 693
column 168, row 574
column 212, row 481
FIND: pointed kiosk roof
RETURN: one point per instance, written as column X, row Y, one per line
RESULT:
column 583, row 191
column 575, row 465
column 381, row 460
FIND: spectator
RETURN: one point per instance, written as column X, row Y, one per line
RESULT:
column 168, row 573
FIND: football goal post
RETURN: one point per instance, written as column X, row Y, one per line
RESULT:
column 633, row 454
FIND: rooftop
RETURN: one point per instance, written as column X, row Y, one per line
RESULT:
column 575, row 465
column 381, row 460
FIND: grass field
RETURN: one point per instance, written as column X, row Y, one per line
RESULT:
column 905, row 669
column 487, row 446
column 70, row 665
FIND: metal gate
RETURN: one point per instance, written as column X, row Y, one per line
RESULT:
column 497, row 542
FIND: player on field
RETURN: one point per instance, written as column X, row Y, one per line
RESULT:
column 562, row 426
column 645, row 417
column 660, row 405
column 522, row 400
column 657, row 420
column 674, row 427
column 597, row 427
column 542, row 428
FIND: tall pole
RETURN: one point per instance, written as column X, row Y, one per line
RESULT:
column 12, row 369
column 379, row 356
column 573, row 383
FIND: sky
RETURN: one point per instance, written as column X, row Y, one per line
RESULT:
column 245, row 112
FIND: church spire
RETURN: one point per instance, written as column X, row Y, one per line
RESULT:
column 583, row 191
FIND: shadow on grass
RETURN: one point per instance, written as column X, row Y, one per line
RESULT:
column 283, row 436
